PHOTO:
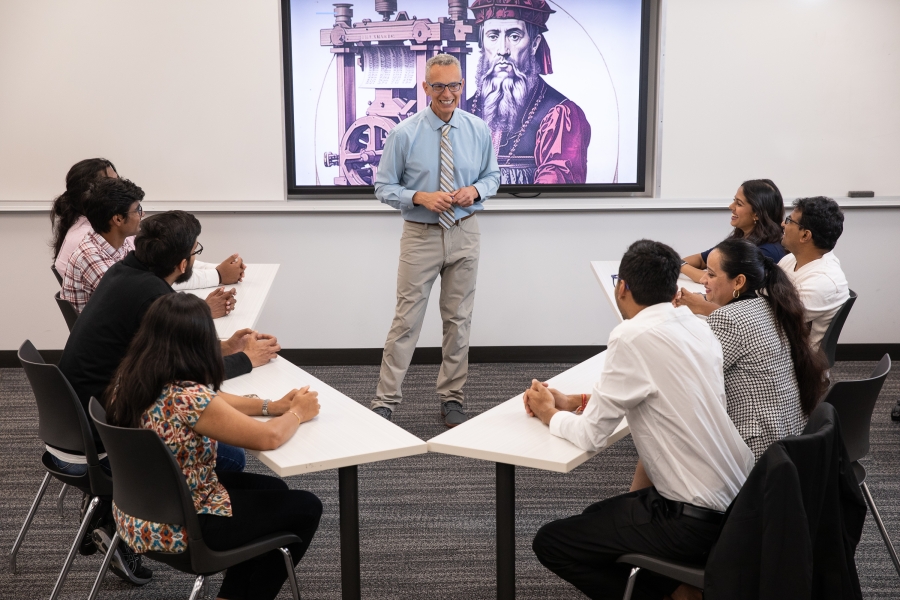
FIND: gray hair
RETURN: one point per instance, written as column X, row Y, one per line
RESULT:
column 441, row 60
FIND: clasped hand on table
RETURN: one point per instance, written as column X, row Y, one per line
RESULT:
column 260, row 348
column 543, row 401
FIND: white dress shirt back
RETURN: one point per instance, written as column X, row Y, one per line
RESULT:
column 663, row 371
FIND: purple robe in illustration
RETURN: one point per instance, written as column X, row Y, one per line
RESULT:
column 551, row 144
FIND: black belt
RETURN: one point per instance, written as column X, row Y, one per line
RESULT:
column 457, row 222
column 676, row 509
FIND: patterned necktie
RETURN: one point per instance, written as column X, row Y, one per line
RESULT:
column 447, row 218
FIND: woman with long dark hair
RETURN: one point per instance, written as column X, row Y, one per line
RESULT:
column 67, row 213
column 169, row 382
column 756, row 215
column 773, row 378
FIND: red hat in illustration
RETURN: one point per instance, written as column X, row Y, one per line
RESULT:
column 535, row 12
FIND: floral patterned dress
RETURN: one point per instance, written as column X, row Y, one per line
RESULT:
column 173, row 418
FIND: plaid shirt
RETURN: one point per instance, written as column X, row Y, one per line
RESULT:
column 87, row 265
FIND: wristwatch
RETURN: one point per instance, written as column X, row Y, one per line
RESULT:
column 265, row 410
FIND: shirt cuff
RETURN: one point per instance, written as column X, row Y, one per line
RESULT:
column 558, row 421
column 406, row 198
column 200, row 278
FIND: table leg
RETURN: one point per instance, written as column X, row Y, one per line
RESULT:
column 506, row 531
column 349, row 501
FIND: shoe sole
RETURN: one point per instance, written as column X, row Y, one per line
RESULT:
column 117, row 565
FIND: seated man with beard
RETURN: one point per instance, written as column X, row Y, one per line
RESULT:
column 539, row 135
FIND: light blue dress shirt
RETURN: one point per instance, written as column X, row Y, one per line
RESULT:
column 411, row 158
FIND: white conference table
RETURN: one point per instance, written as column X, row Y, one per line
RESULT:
column 509, row 437
column 251, row 298
column 344, row 434
column 605, row 269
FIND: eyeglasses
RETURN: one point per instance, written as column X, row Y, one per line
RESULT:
column 615, row 280
column 788, row 219
column 198, row 250
column 439, row 87
column 139, row 210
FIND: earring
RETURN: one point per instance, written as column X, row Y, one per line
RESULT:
column 735, row 294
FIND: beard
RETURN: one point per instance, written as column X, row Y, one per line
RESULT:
column 504, row 95
column 187, row 273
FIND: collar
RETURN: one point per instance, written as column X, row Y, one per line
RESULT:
column 435, row 122
column 132, row 261
column 100, row 242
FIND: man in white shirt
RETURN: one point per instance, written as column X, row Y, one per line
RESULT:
column 810, row 234
column 663, row 372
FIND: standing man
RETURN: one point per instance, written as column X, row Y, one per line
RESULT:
column 438, row 167
column 539, row 135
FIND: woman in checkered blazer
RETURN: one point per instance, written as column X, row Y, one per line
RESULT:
column 773, row 378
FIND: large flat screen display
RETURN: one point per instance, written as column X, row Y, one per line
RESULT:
column 561, row 85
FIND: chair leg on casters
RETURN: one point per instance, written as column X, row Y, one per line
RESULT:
column 104, row 566
column 884, row 534
column 81, row 531
column 292, row 577
column 198, row 585
column 27, row 523
column 59, row 500
column 629, row 588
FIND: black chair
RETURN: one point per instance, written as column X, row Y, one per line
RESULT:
column 695, row 575
column 854, row 402
column 56, row 274
column 68, row 311
column 61, row 423
column 830, row 339
column 150, row 485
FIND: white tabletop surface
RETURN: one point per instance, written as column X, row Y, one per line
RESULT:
column 345, row 433
column 605, row 269
column 251, row 297
column 506, row 434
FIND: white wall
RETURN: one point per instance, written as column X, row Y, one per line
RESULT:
column 186, row 99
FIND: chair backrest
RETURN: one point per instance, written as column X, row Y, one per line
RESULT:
column 61, row 419
column 56, row 274
column 830, row 339
column 68, row 311
column 147, row 481
column 854, row 402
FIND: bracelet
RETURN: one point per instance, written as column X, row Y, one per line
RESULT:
column 299, row 420
column 684, row 262
column 584, row 401
column 265, row 408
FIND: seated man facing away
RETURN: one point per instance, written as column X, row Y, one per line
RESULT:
column 663, row 372
column 114, row 212
column 810, row 234
column 164, row 253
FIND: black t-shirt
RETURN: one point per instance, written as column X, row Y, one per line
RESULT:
column 100, row 338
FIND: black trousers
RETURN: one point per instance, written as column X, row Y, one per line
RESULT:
column 260, row 505
column 583, row 549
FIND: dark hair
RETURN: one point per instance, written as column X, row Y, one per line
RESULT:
column 765, row 199
column 823, row 218
column 740, row 257
column 651, row 271
column 165, row 240
column 110, row 197
column 67, row 207
column 176, row 341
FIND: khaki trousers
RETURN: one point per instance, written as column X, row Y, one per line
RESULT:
column 427, row 251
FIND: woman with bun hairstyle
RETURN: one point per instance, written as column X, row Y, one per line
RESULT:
column 756, row 215
column 67, row 213
column 773, row 378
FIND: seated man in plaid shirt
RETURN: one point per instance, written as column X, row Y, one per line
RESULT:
column 114, row 212
column 113, row 208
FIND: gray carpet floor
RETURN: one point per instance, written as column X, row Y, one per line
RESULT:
column 426, row 522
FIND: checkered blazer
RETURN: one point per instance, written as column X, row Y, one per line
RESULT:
column 760, row 383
